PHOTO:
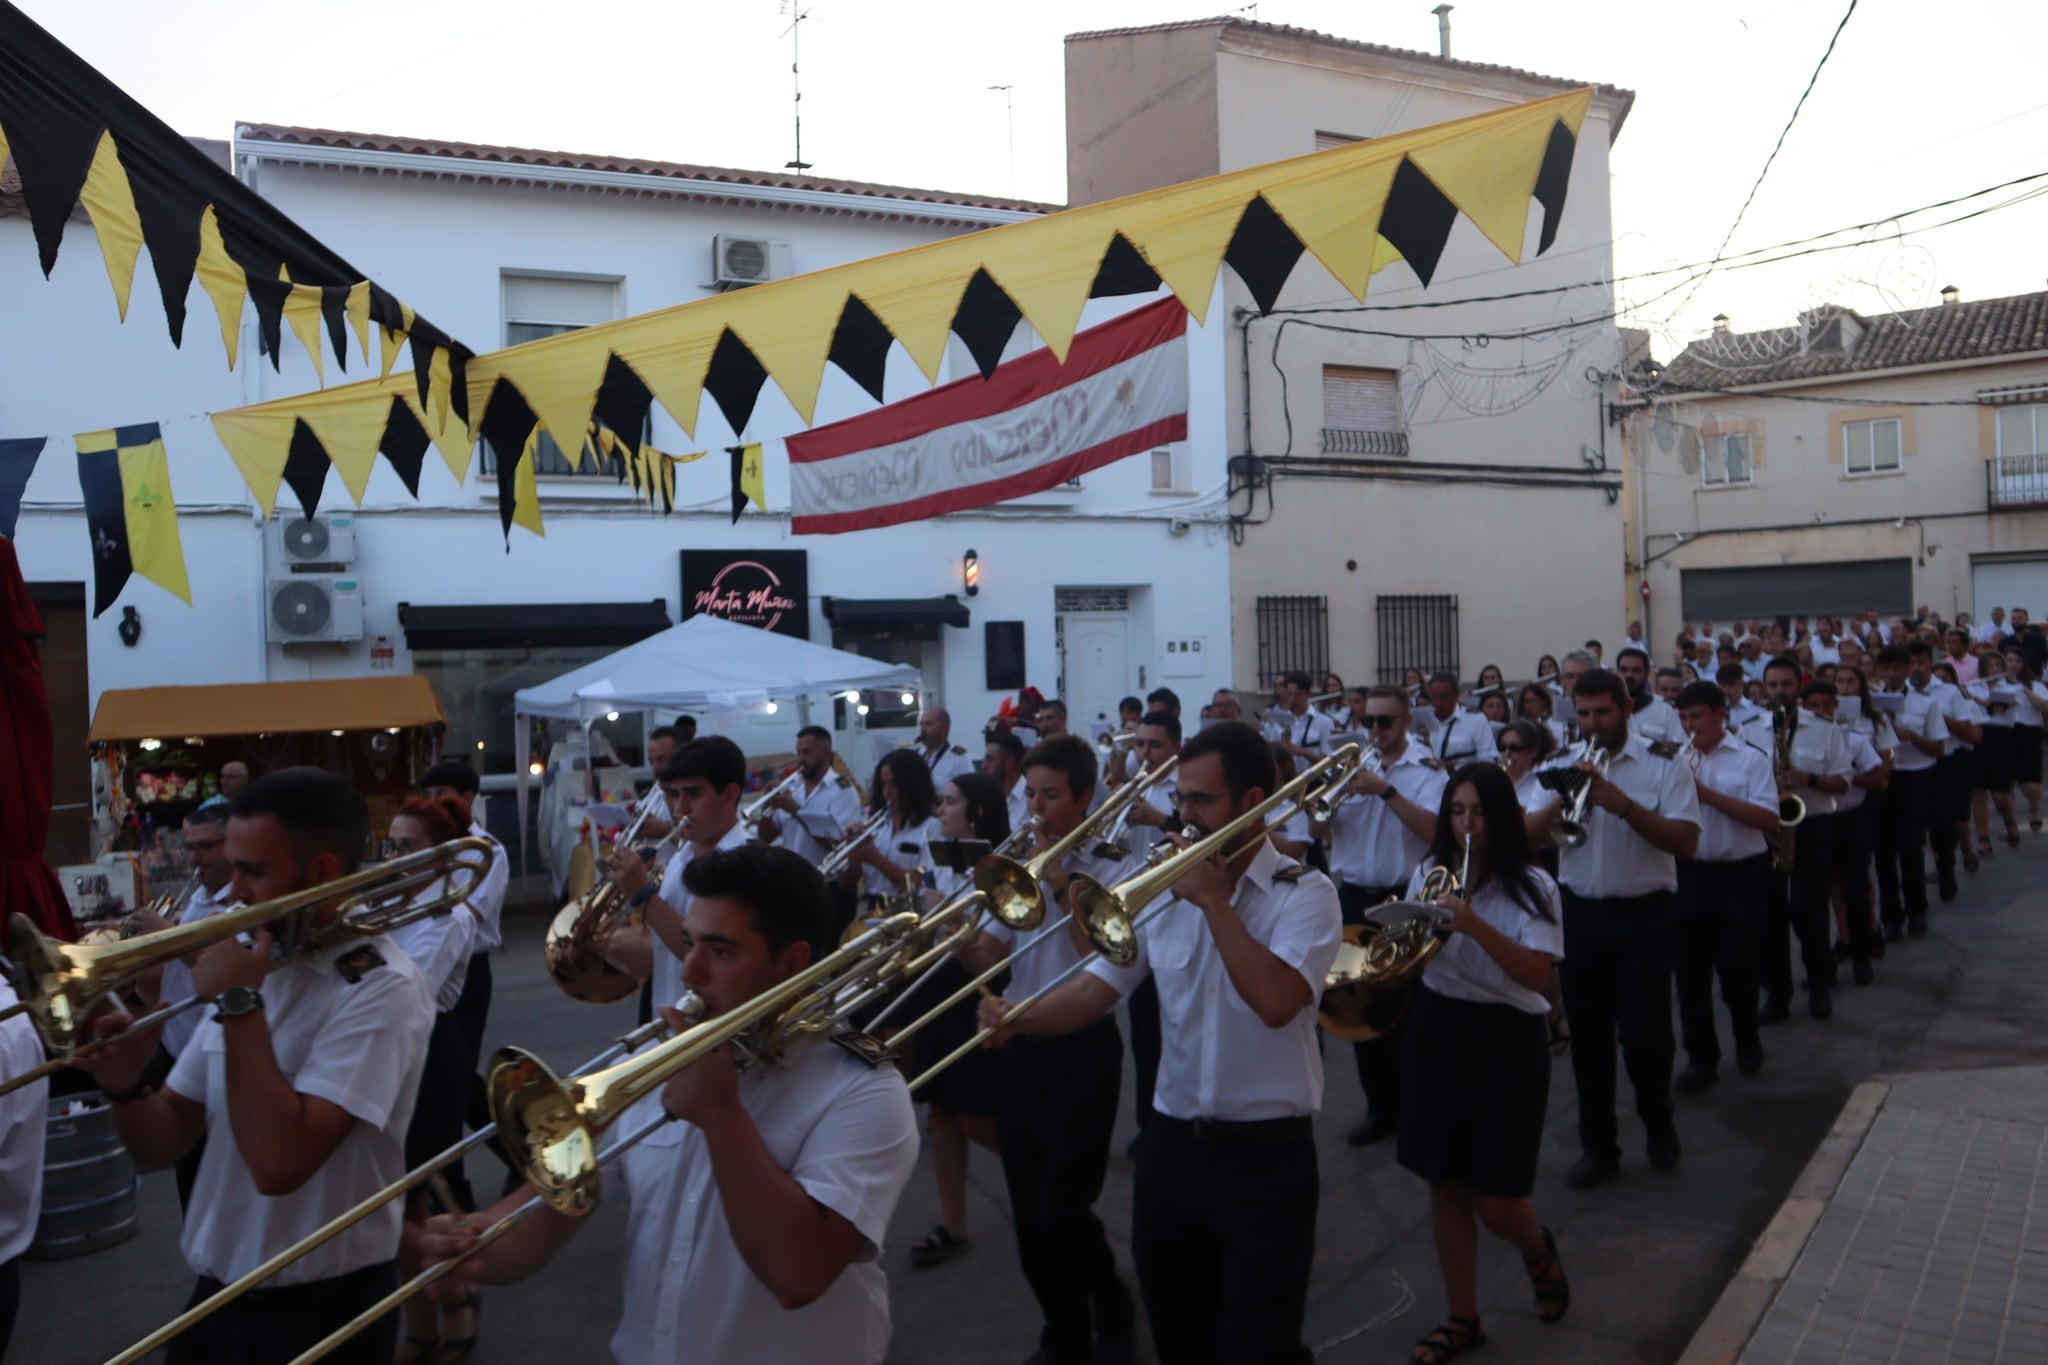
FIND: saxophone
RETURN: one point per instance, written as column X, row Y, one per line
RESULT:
column 1791, row 810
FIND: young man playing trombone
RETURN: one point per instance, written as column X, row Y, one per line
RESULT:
column 756, row 1222
column 302, row 1083
column 1224, row 1205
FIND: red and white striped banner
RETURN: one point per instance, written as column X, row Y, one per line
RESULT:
column 1030, row 426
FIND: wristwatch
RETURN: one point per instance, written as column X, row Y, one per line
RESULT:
column 236, row 1001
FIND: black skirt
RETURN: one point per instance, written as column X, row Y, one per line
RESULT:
column 2026, row 753
column 1475, row 1080
column 971, row 1085
column 1995, row 758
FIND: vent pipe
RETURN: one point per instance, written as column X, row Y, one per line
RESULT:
column 1443, row 31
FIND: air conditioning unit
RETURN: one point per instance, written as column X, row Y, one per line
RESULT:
column 737, row 262
column 312, row 609
column 315, row 540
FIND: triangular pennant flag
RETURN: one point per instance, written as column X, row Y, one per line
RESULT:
column 1417, row 220
column 452, row 439
column 860, row 347
column 560, row 384
column 1262, row 252
column 404, row 445
column 334, row 312
column 917, row 304
column 106, row 516
column 302, row 313
column 1187, row 248
column 225, row 282
column 306, row 466
column 986, row 321
column 358, row 310
column 746, row 478
column 734, row 379
column 259, row 443
column 1337, row 214
column 1047, row 289
column 525, row 493
column 350, row 433
column 1490, row 180
column 17, row 461
column 111, row 203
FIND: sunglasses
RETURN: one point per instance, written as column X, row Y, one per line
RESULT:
column 1515, row 748
column 1379, row 722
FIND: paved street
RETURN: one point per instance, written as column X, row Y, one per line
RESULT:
column 1648, row 1255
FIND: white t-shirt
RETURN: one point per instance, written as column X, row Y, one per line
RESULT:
column 848, row 1135
column 24, row 1125
column 487, row 902
column 360, row 1045
column 439, row 946
column 177, row 977
column 1218, row 1059
column 1464, row 970
column 667, row 973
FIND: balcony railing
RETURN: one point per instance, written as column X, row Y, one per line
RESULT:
column 2016, row 481
column 1344, row 441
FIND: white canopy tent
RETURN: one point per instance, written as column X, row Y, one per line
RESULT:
column 705, row 661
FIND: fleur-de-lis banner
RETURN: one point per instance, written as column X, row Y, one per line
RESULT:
column 125, row 479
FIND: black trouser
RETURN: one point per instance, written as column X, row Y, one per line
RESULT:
column 1854, row 832
column 1901, row 840
column 1720, row 930
column 471, row 1012
column 1799, row 904
column 438, row 1106
column 1053, row 1125
column 1951, row 780
column 10, row 1301
column 1145, row 1044
column 269, row 1326
column 1379, row 1061
column 1617, row 985
column 1223, row 1229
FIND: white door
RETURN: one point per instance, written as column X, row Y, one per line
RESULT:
column 1095, row 661
column 2009, row 584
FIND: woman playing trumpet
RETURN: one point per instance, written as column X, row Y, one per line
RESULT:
column 1476, row 1068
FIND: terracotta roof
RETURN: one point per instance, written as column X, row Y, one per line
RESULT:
column 1232, row 22
column 287, row 135
column 1831, row 342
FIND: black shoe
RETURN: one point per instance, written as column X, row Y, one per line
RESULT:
column 1663, row 1147
column 1916, row 926
column 1841, row 952
column 1372, row 1130
column 1862, row 972
column 1749, row 1062
column 1773, row 1013
column 1115, row 1313
column 1694, row 1079
column 1877, row 945
column 1948, row 888
column 1591, row 1172
column 1821, row 1004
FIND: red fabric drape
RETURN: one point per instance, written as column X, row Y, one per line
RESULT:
column 28, row 885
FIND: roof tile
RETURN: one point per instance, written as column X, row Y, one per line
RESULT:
column 1981, row 330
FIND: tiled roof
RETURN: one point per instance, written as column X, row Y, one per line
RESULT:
column 1232, row 22
column 1812, row 350
column 286, row 135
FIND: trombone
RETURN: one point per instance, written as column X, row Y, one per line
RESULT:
column 1146, row 781
column 1111, row 915
column 62, row 983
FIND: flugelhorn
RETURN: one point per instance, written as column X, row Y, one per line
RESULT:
column 62, row 983
column 576, row 937
column 1575, row 784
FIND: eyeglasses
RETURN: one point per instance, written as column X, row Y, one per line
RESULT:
column 1379, row 722
column 1516, row 748
column 394, row 847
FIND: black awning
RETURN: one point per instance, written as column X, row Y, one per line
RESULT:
column 916, row 617
column 532, row 625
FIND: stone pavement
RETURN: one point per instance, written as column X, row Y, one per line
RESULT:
column 1649, row 1256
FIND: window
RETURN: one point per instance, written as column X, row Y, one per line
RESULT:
column 1294, row 633
column 476, row 686
column 1727, row 461
column 539, row 306
column 1871, row 447
column 1170, row 470
column 1362, row 412
column 1417, row 630
column 2023, row 434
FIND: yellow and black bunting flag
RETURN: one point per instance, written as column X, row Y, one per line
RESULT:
column 125, row 479
column 17, row 462
column 746, row 478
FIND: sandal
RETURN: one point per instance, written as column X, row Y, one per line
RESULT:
column 2012, row 836
column 458, row 1350
column 425, row 1352
column 1553, row 1290
column 1456, row 1336
column 937, row 1246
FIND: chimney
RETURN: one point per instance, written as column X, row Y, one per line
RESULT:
column 1721, row 323
column 1443, row 31
column 1951, row 294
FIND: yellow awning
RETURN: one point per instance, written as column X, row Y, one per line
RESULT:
column 279, row 708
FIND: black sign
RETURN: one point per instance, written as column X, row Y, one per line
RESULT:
column 1003, row 655
column 769, row 589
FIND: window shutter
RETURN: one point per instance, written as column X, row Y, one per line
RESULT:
column 1356, row 399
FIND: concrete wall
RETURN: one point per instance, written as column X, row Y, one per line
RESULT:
column 1141, row 112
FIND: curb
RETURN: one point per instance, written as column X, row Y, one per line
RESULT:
column 1742, row 1305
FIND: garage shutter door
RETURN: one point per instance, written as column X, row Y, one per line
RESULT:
column 2009, row 583
column 1798, row 590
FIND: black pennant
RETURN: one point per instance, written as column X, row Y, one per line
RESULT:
column 106, row 519
column 623, row 402
column 268, row 294
column 1417, row 219
column 860, row 347
column 305, row 468
column 734, row 378
column 508, row 421
column 985, row 321
column 1263, row 251
column 404, row 445
column 1552, row 181
column 53, row 135
column 334, row 312
column 1123, row 271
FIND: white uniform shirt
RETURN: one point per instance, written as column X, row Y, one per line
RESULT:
column 360, row 1045
column 1310, row 730
column 1864, row 759
column 24, row 1124
column 1218, row 1059
column 1467, row 737
column 439, row 946
column 833, row 796
column 1019, row 802
column 1140, row 839
column 1954, row 706
column 1741, row 771
column 1369, row 846
column 847, row 1134
column 902, row 845
column 1821, row 749
column 1035, row 969
column 177, row 977
column 1825, row 654
column 1980, row 696
column 487, row 903
column 1533, row 795
column 667, row 973
column 1923, row 715
column 2027, row 714
column 1658, row 720
column 1464, row 970
column 947, row 764
column 1616, row 862
column 654, row 804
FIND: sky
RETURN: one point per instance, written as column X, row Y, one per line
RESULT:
column 1919, row 103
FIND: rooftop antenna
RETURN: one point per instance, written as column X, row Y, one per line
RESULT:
column 797, row 14
column 1010, row 113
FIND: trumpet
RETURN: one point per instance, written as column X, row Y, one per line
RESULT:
column 61, row 983
column 1111, row 916
column 577, row 935
column 755, row 811
column 842, row 852
column 1107, row 743
column 1371, row 980
column 1324, row 805
column 1576, row 786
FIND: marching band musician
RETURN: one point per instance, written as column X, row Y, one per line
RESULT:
column 756, row 1223
column 1641, row 816
column 1375, row 839
column 661, row 747
column 1818, row 772
column 1650, row 715
column 455, row 780
column 1477, row 1064
column 1458, row 737
column 24, row 1132
column 1922, row 732
column 1224, row 1199
column 1722, row 889
column 703, row 783
column 1948, row 769
column 1004, row 764
column 1059, row 1094
column 820, row 792
column 303, row 1080
column 1301, row 729
column 943, row 759
column 905, row 797
column 1856, row 820
column 1151, row 815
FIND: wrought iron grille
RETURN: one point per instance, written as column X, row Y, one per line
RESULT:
column 1417, row 630
column 1294, row 634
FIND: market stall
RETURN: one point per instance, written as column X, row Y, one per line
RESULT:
column 158, row 752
